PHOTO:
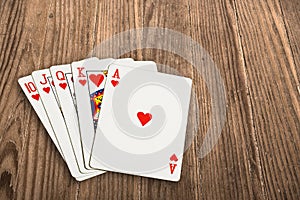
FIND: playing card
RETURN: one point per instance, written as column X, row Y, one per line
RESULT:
column 43, row 82
column 62, row 78
column 142, row 124
column 89, row 80
column 83, row 80
column 33, row 96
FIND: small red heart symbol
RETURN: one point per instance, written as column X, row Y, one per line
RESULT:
column 35, row 96
column 63, row 85
column 72, row 79
column 46, row 89
column 114, row 83
column 82, row 82
column 144, row 117
column 96, row 79
column 52, row 82
column 174, row 158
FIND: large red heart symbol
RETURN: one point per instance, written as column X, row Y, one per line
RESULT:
column 63, row 85
column 174, row 158
column 114, row 83
column 82, row 82
column 144, row 117
column 46, row 89
column 35, row 96
column 96, row 79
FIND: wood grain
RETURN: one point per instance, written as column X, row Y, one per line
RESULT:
column 255, row 45
column 274, row 96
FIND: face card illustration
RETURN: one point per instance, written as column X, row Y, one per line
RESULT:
column 62, row 77
column 96, row 81
column 96, row 100
column 33, row 96
column 41, row 79
column 141, row 128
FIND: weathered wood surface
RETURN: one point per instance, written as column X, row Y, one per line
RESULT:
column 256, row 46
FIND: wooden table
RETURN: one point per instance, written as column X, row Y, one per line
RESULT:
column 256, row 47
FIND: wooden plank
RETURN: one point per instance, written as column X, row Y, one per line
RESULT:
column 232, row 169
column 256, row 49
column 273, row 95
column 291, row 16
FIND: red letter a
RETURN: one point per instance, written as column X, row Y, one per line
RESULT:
column 172, row 167
column 116, row 74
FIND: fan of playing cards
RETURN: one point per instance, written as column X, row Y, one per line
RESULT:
column 116, row 115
